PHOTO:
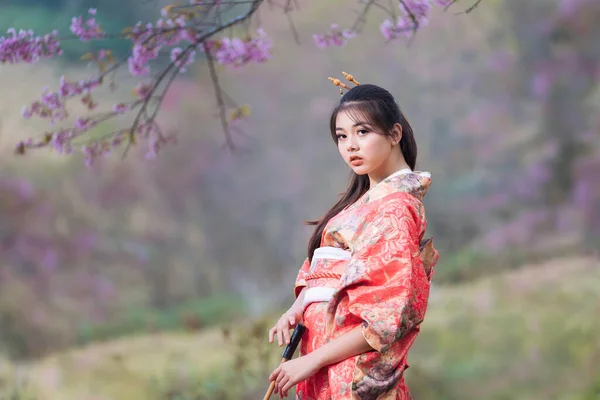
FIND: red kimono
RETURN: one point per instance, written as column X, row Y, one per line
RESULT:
column 373, row 270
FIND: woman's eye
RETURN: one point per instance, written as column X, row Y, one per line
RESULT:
column 341, row 136
column 363, row 131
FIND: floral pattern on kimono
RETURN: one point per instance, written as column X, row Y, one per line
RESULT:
column 383, row 287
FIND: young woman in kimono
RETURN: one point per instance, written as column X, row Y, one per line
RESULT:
column 362, row 291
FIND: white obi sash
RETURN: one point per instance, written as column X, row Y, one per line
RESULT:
column 323, row 294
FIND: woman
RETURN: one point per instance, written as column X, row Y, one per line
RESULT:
column 362, row 291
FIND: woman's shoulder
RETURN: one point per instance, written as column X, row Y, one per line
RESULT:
column 398, row 204
column 408, row 186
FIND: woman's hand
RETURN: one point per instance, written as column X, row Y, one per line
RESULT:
column 288, row 320
column 290, row 373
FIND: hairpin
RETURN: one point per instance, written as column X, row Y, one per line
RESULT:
column 341, row 84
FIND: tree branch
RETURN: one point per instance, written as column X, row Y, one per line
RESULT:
column 220, row 102
column 196, row 24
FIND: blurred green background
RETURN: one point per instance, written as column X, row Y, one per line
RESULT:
column 145, row 280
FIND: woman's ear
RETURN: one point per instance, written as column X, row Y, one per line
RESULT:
column 396, row 134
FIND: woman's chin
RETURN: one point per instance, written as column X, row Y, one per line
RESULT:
column 359, row 170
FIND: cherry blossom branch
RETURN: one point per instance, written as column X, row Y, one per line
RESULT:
column 220, row 102
column 471, row 8
column 148, row 41
column 200, row 25
column 467, row 10
column 413, row 15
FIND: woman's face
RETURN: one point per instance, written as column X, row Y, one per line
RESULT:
column 362, row 148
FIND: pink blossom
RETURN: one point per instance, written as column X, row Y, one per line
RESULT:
column 83, row 124
column 334, row 37
column 153, row 147
column 87, row 30
column 120, row 108
column 61, row 141
column 102, row 54
column 141, row 55
column 25, row 47
column 88, row 153
column 417, row 9
column 181, row 62
column 52, row 105
column 93, row 151
column 237, row 52
column 142, row 90
column 414, row 14
column 403, row 27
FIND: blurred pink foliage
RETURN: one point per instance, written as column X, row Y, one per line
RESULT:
column 547, row 184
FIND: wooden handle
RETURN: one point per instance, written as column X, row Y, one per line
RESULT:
column 288, row 353
column 270, row 391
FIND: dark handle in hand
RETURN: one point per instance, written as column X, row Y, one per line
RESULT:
column 290, row 349
column 288, row 353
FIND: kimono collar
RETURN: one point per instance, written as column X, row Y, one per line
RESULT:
column 414, row 182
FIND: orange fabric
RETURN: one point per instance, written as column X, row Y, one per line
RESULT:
column 324, row 274
column 383, row 288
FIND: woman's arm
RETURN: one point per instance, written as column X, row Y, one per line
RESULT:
column 348, row 345
column 289, row 373
column 299, row 299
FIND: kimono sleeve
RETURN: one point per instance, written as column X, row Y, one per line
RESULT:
column 386, row 284
column 301, row 278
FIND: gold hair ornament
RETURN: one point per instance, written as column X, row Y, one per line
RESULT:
column 341, row 84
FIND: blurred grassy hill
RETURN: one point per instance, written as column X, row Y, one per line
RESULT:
column 518, row 335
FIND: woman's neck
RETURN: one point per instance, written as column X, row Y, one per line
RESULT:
column 377, row 176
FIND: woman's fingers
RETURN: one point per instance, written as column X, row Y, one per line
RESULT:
column 285, row 387
column 275, row 374
column 275, row 331
column 278, row 379
column 280, row 330
column 286, row 334
column 272, row 333
column 281, row 384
